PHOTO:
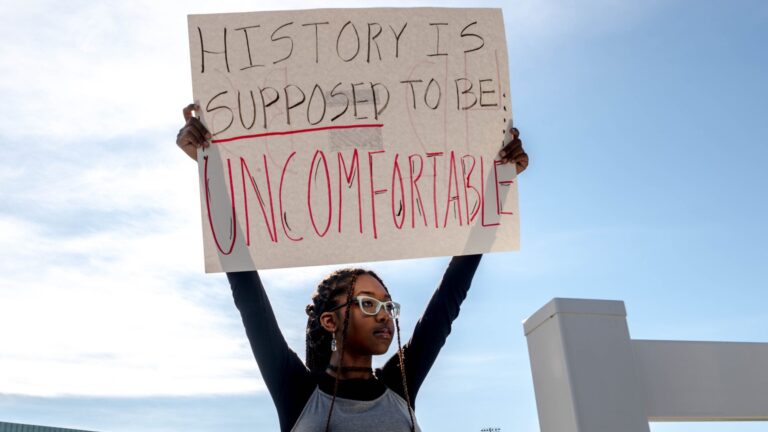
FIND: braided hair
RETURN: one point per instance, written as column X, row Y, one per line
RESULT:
column 318, row 339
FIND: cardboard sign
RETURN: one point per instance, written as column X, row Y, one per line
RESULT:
column 349, row 135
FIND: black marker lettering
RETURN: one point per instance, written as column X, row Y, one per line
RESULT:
column 426, row 94
column 288, row 105
column 204, row 51
column 373, row 39
column 377, row 112
column 264, row 105
column 240, row 110
column 309, row 104
column 355, row 101
column 317, row 39
column 466, row 91
column 437, row 44
column 397, row 38
column 210, row 109
column 280, row 38
column 248, row 47
column 346, row 98
column 413, row 92
column 482, row 41
column 482, row 92
column 357, row 39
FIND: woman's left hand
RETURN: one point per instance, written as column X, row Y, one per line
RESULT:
column 513, row 152
column 193, row 135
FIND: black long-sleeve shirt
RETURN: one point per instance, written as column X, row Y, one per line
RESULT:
column 289, row 381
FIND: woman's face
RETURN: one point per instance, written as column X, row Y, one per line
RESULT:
column 367, row 334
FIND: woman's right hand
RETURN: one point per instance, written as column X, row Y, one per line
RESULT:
column 193, row 135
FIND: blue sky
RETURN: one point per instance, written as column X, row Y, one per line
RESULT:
column 645, row 123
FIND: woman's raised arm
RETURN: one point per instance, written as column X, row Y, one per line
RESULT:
column 284, row 373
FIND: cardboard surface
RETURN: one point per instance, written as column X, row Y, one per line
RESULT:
column 349, row 135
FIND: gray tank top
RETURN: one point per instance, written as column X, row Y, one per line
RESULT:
column 366, row 405
column 387, row 413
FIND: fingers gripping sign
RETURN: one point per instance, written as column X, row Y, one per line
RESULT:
column 513, row 152
column 193, row 134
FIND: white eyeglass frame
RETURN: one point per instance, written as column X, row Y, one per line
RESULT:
column 394, row 312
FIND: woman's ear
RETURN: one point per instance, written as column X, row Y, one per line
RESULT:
column 328, row 321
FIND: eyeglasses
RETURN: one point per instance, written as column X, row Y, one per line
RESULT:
column 372, row 306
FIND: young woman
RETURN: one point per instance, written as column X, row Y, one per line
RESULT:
column 351, row 318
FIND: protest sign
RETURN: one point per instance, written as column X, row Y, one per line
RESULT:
column 349, row 135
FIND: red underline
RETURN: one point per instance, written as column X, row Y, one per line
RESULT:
column 297, row 131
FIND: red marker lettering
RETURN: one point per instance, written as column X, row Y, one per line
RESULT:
column 468, row 185
column 280, row 199
column 374, row 191
column 354, row 171
column 396, row 170
column 309, row 192
column 272, row 230
column 482, row 201
column 208, row 207
column 415, row 186
column 434, row 182
column 452, row 175
column 497, row 183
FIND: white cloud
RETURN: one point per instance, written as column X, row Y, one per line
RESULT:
column 106, row 69
column 108, row 314
column 101, row 290
column 116, row 304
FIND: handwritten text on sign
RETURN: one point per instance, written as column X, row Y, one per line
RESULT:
column 348, row 135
